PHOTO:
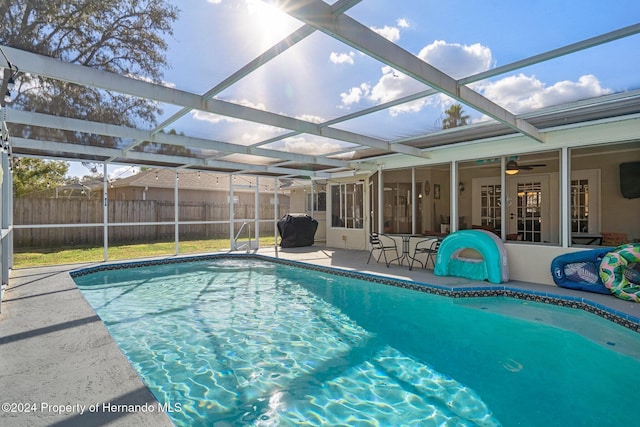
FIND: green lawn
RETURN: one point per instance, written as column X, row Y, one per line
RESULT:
column 32, row 257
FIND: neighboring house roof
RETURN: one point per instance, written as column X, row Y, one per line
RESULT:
column 193, row 180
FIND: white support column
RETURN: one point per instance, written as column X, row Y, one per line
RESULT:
column 256, row 231
column 6, row 223
column 105, row 213
column 10, row 221
column 275, row 212
column 313, row 199
column 176, row 213
column 565, row 192
column 503, row 198
column 380, row 201
column 414, row 200
column 453, row 223
column 232, row 222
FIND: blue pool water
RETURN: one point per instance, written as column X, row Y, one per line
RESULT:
column 247, row 342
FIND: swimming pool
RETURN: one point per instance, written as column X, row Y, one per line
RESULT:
column 244, row 341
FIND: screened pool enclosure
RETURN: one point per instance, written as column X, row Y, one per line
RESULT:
column 367, row 115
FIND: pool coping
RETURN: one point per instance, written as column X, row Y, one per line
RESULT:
column 463, row 291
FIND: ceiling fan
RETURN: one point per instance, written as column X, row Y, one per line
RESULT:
column 512, row 167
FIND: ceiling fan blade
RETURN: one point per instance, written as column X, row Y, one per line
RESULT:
column 529, row 167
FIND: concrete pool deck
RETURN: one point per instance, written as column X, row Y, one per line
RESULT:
column 60, row 366
column 59, row 358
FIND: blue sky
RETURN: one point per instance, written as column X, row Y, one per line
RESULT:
column 320, row 79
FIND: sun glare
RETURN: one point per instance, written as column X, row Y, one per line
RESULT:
column 268, row 22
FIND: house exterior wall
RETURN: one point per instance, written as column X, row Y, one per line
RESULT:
column 348, row 238
column 298, row 205
column 527, row 262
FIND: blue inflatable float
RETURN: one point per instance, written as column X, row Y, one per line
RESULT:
column 580, row 270
column 473, row 254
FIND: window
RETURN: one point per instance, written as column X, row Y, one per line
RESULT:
column 585, row 217
column 347, row 205
column 490, row 205
column 529, row 210
column 316, row 201
column 486, row 208
column 580, row 205
column 398, row 204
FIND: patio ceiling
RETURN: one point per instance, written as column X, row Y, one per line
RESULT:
column 301, row 143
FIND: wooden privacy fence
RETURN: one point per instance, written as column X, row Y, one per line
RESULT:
column 30, row 211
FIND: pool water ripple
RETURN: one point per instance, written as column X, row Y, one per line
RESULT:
column 247, row 342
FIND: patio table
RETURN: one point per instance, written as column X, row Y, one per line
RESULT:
column 406, row 239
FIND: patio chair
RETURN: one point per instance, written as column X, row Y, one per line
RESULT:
column 429, row 247
column 382, row 243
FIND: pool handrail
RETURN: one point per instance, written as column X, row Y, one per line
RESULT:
column 234, row 246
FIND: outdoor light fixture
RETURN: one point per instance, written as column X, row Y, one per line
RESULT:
column 461, row 186
column 512, row 168
column 9, row 79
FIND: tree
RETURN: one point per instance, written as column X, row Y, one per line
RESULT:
column 123, row 37
column 172, row 150
column 31, row 175
column 454, row 117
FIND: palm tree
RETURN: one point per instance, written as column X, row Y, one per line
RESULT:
column 454, row 117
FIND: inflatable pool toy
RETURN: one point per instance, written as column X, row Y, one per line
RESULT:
column 580, row 270
column 614, row 275
column 473, row 254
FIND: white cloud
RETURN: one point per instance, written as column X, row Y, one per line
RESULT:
column 453, row 58
column 457, row 60
column 311, row 118
column 522, row 93
column 209, row 117
column 310, row 145
column 253, row 133
column 215, row 118
column 342, row 58
column 392, row 85
column 247, row 103
column 389, row 33
column 519, row 93
column 355, row 94
column 258, row 134
column 402, row 23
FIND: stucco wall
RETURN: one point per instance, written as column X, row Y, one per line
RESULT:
column 532, row 263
